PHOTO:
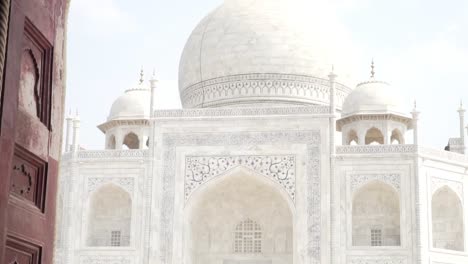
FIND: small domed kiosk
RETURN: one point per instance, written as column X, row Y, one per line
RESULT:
column 127, row 126
column 374, row 114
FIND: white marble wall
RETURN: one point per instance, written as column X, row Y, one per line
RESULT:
column 194, row 149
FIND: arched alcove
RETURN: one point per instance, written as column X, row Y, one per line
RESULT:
column 447, row 220
column 352, row 138
column 397, row 137
column 376, row 216
column 111, row 144
column 131, row 141
column 374, row 136
column 239, row 217
column 109, row 217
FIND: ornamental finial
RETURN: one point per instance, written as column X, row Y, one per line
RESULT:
column 142, row 75
column 372, row 69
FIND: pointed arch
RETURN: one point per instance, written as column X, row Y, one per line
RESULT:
column 109, row 217
column 376, row 215
column 352, row 138
column 447, row 221
column 131, row 141
column 397, row 137
column 237, row 216
column 374, row 136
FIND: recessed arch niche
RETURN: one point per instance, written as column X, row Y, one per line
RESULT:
column 376, row 215
column 447, row 220
column 213, row 214
column 109, row 217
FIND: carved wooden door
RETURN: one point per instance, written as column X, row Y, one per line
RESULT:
column 30, row 131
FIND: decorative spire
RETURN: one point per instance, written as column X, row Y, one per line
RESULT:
column 141, row 76
column 415, row 111
column 332, row 76
column 372, row 69
column 153, row 76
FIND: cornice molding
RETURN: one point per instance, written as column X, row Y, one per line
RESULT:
column 373, row 117
column 125, row 122
column 285, row 88
column 242, row 111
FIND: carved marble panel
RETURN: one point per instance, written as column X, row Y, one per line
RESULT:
column 106, row 260
column 358, row 180
column 261, row 86
column 125, row 183
column 28, row 177
column 170, row 143
column 379, row 260
column 201, row 169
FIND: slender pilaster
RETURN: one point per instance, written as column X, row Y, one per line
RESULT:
column 76, row 133
column 153, row 170
column 415, row 114
column 68, row 132
column 334, row 209
column 154, row 85
column 461, row 113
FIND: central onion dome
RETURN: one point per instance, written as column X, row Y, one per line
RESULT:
column 264, row 52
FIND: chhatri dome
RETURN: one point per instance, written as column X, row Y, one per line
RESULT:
column 127, row 125
column 133, row 104
column 374, row 97
column 373, row 113
column 264, row 52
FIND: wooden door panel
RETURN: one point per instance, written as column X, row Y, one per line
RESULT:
column 31, row 111
column 28, row 179
column 21, row 251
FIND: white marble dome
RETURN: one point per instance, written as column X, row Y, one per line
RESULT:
column 264, row 52
column 374, row 97
column 133, row 104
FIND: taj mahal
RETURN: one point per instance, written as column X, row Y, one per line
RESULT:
column 280, row 155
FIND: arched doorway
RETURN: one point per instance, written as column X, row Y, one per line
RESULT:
column 239, row 218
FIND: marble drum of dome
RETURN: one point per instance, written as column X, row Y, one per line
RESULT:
column 270, row 52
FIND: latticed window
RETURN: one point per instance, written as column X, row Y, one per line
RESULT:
column 376, row 237
column 116, row 238
column 248, row 237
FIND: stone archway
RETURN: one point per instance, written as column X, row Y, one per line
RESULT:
column 237, row 218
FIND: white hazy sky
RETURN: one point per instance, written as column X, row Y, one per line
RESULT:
column 419, row 46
